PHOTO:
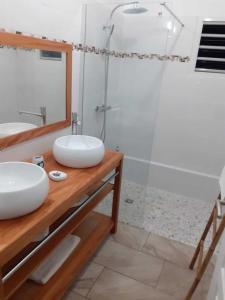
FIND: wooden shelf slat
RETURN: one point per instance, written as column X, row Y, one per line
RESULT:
column 12, row 284
column 92, row 233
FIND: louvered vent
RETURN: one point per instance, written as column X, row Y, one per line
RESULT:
column 211, row 54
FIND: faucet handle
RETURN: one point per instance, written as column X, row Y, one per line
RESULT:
column 74, row 117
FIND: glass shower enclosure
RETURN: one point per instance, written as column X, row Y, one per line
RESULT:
column 132, row 89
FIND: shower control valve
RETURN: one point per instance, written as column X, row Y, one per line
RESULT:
column 102, row 108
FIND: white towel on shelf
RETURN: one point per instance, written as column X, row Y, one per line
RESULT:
column 55, row 260
column 222, row 185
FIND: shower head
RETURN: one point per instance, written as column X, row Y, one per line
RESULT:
column 132, row 10
column 135, row 10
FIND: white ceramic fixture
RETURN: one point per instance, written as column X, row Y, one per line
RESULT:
column 7, row 129
column 78, row 151
column 23, row 188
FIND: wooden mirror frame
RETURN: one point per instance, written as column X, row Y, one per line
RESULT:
column 22, row 41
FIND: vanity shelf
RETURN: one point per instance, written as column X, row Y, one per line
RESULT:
column 16, row 244
column 92, row 232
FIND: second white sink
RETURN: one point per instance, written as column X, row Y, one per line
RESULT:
column 78, row 151
column 7, row 129
column 23, row 188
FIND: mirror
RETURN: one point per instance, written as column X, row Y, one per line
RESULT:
column 35, row 87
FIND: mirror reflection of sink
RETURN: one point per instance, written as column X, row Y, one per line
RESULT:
column 7, row 129
column 23, row 188
column 78, row 151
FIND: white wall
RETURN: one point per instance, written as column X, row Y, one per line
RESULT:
column 40, row 82
column 189, row 146
column 7, row 85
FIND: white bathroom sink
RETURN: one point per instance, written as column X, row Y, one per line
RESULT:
column 7, row 129
column 78, row 151
column 23, row 188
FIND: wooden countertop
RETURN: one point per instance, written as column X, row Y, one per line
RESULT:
column 15, row 234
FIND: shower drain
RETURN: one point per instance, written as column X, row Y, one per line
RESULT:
column 129, row 201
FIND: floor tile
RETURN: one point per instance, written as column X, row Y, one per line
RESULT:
column 87, row 278
column 167, row 214
column 204, row 285
column 175, row 280
column 73, row 296
column 140, row 266
column 169, row 250
column 129, row 236
column 113, row 286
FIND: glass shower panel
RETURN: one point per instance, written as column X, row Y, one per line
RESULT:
column 133, row 91
column 132, row 95
column 93, row 68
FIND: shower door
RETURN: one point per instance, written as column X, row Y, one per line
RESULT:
column 132, row 95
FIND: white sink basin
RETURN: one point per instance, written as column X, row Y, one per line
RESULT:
column 7, row 129
column 23, row 188
column 78, row 151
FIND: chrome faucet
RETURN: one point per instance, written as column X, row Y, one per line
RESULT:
column 75, row 123
column 42, row 114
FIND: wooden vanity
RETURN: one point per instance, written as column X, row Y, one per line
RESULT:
column 19, row 256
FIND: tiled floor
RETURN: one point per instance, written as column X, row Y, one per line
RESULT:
column 166, row 214
column 136, row 265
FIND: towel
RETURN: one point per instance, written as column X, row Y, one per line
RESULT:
column 222, row 185
column 55, row 260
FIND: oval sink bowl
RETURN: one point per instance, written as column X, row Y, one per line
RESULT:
column 23, row 188
column 7, row 129
column 78, row 151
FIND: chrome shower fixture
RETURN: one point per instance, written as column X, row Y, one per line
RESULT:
column 172, row 13
column 136, row 9
column 122, row 5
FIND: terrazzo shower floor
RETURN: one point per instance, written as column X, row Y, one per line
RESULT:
column 166, row 214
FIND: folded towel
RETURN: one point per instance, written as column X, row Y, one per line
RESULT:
column 222, row 185
column 55, row 260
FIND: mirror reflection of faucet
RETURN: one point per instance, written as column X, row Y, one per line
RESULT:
column 75, row 123
column 42, row 114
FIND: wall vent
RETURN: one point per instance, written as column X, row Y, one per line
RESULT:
column 211, row 53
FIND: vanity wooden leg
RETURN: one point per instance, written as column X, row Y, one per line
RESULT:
column 116, row 197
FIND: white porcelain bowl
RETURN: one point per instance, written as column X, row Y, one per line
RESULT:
column 7, row 129
column 78, row 151
column 23, row 188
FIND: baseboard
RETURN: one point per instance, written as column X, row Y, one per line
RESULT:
column 183, row 181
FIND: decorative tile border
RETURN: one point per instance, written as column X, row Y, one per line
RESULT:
column 103, row 51
column 117, row 54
